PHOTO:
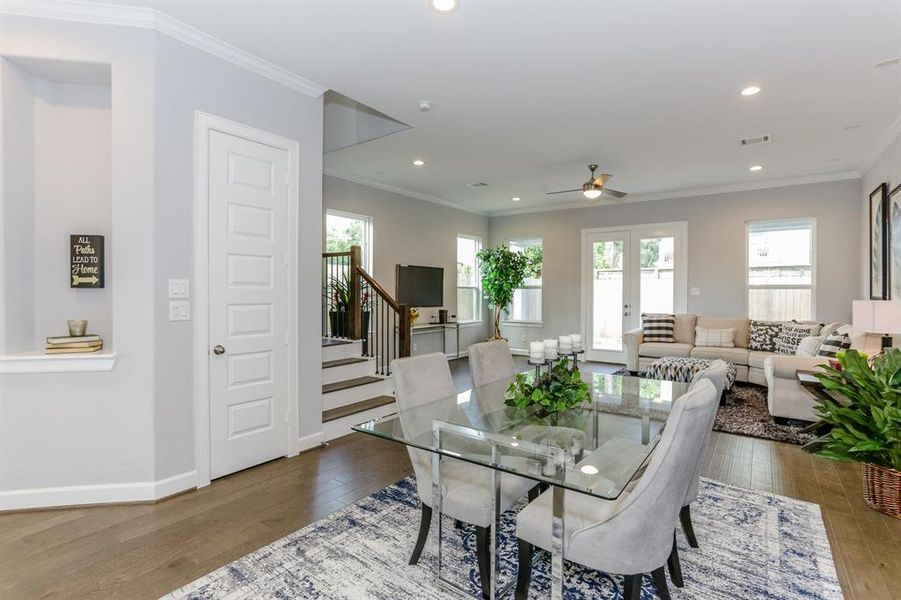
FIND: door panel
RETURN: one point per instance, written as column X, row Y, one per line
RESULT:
column 608, row 283
column 248, row 303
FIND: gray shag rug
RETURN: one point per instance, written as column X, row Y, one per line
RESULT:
column 748, row 415
column 752, row 545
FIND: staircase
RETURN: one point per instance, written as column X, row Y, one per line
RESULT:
column 363, row 330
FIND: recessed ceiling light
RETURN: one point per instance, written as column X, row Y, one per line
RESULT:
column 418, row 162
column 854, row 126
column 444, row 6
column 516, row 198
column 756, row 168
column 589, row 469
column 750, row 90
column 888, row 62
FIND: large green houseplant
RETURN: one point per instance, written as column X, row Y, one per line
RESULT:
column 867, row 427
column 502, row 272
column 555, row 390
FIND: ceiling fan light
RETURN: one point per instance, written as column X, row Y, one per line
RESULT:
column 592, row 193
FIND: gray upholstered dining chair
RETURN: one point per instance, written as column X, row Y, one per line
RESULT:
column 633, row 534
column 490, row 362
column 465, row 487
column 715, row 373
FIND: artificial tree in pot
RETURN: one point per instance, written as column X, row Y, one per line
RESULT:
column 502, row 272
column 866, row 428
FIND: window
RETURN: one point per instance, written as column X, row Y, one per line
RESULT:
column 343, row 230
column 781, row 270
column 527, row 299
column 469, row 282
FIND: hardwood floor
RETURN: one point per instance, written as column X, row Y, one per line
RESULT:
column 144, row 551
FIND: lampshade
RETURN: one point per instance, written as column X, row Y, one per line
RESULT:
column 877, row 316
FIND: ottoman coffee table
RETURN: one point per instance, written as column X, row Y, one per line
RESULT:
column 682, row 368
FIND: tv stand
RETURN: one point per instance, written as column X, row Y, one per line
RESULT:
column 442, row 327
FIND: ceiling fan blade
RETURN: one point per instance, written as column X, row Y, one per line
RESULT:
column 563, row 192
column 600, row 180
column 615, row 193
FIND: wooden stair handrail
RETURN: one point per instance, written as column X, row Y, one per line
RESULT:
column 378, row 288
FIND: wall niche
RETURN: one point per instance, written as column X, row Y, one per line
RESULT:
column 56, row 160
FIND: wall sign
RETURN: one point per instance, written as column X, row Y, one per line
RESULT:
column 86, row 260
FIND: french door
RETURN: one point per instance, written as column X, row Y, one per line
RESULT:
column 628, row 271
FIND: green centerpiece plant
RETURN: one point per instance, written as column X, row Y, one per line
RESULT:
column 866, row 424
column 551, row 392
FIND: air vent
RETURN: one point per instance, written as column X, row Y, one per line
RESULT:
column 760, row 139
column 477, row 184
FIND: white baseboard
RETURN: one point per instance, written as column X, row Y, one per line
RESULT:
column 104, row 493
column 308, row 442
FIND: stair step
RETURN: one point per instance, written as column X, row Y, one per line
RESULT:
column 328, row 364
column 350, row 383
column 326, row 342
column 356, row 407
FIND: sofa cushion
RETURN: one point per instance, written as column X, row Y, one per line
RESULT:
column 715, row 338
column 756, row 358
column 763, row 335
column 658, row 327
column 737, row 356
column 684, row 330
column 658, row 349
column 740, row 326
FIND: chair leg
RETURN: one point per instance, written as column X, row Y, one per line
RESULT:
column 685, row 517
column 632, row 586
column 483, row 557
column 424, row 526
column 675, row 567
column 660, row 581
column 524, row 572
column 458, row 524
column 534, row 493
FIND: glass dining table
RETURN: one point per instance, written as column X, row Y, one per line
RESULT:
column 596, row 448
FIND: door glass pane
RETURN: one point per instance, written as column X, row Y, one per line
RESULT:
column 607, row 309
column 656, row 259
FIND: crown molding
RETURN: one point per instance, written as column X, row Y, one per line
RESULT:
column 148, row 18
column 404, row 192
column 894, row 131
column 688, row 193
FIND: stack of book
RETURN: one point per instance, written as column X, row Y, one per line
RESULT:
column 70, row 344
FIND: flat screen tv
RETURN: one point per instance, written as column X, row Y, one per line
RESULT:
column 420, row 286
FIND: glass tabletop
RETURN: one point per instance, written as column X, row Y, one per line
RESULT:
column 595, row 448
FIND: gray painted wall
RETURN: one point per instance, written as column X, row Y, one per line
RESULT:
column 887, row 168
column 411, row 231
column 716, row 251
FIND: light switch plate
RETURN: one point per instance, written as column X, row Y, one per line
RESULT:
column 695, row 291
column 179, row 288
column 179, row 311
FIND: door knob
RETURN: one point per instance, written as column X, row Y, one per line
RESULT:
column 218, row 349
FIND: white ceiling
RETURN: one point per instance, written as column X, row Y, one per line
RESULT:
column 527, row 93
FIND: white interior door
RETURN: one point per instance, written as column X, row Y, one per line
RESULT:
column 248, row 195
column 607, row 281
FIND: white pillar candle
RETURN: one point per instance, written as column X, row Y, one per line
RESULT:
column 550, row 349
column 566, row 344
column 577, row 341
column 536, row 351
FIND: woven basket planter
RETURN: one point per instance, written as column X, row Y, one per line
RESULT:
column 882, row 489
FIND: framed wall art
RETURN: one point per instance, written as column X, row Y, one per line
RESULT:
column 893, row 216
column 878, row 243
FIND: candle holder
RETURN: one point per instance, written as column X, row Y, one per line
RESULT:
column 538, row 364
column 574, row 356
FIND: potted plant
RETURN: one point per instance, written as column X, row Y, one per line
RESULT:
column 502, row 272
column 340, row 305
column 867, row 428
column 554, row 391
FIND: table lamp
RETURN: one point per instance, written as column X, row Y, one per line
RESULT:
column 878, row 316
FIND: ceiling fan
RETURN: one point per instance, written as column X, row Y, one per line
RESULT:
column 594, row 187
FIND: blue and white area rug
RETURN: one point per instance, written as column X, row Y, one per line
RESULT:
column 753, row 545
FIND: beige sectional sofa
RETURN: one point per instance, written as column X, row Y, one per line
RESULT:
column 785, row 397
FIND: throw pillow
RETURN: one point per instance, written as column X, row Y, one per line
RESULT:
column 763, row 335
column 833, row 344
column 658, row 328
column 792, row 334
column 809, row 345
column 715, row 338
column 815, row 326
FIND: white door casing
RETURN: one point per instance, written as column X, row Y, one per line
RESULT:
column 246, row 301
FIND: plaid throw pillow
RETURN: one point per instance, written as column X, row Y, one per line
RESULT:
column 791, row 336
column 658, row 328
column 764, row 335
column 833, row 344
column 715, row 338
